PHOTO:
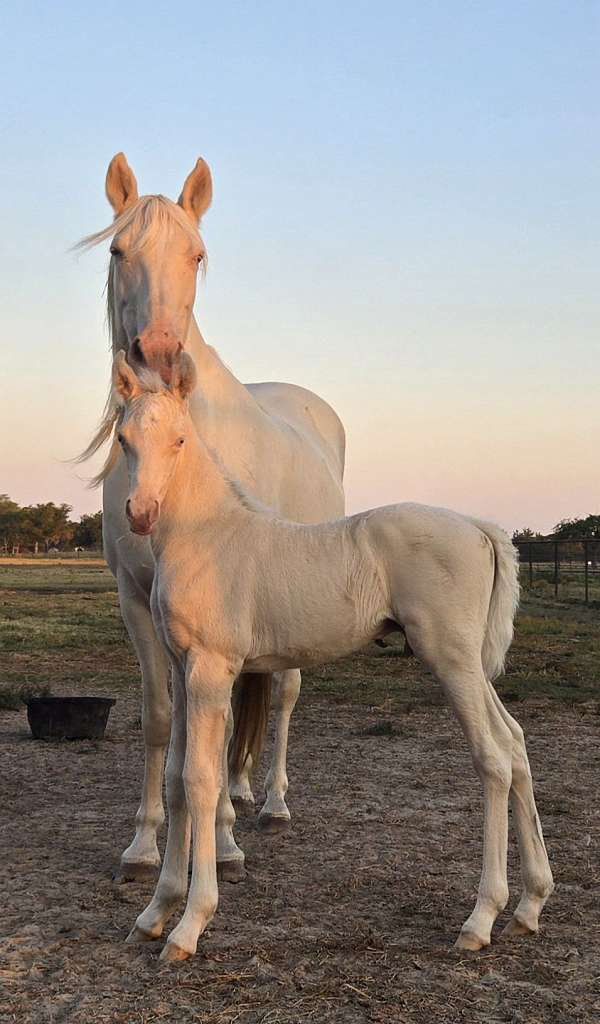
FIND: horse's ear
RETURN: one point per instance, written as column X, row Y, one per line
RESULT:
column 184, row 377
column 196, row 194
column 121, row 186
column 125, row 382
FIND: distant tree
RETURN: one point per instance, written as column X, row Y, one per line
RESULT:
column 87, row 532
column 525, row 534
column 578, row 529
column 48, row 524
column 11, row 523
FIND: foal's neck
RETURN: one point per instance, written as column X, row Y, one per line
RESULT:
column 198, row 491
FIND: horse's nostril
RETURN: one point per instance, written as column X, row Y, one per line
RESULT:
column 136, row 350
column 128, row 509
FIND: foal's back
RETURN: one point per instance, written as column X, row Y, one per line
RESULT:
column 313, row 593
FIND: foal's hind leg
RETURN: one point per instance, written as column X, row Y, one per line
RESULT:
column 535, row 868
column 274, row 815
column 456, row 662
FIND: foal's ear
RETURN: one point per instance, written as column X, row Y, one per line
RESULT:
column 125, row 381
column 184, row 375
column 121, row 186
column 196, row 194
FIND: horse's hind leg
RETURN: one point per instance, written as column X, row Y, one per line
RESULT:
column 274, row 815
column 535, row 868
column 456, row 662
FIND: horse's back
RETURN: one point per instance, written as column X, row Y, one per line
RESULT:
column 311, row 415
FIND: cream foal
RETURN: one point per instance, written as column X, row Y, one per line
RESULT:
column 237, row 588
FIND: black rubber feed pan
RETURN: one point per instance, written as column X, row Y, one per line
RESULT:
column 68, row 718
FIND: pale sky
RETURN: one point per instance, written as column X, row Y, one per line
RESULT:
column 405, row 220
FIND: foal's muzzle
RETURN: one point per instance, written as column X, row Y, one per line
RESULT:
column 142, row 520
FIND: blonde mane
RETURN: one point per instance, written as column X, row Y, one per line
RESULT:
column 148, row 218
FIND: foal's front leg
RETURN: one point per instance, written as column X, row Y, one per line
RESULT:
column 209, row 681
column 172, row 883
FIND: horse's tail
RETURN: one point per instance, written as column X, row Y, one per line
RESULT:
column 503, row 602
column 250, row 704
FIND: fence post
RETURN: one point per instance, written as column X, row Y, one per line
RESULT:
column 586, row 572
column 530, row 567
column 556, row 568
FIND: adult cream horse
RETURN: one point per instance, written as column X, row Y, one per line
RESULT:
column 238, row 588
column 284, row 443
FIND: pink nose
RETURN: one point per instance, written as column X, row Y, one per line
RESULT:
column 142, row 520
column 156, row 348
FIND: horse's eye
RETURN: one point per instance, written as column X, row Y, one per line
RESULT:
column 180, row 441
column 121, row 439
column 115, row 251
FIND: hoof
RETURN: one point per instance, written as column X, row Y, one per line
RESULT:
column 231, row 871
column 172, row 952
column 517, row 929
column 137, row 936
column 273, row 824
column 470, row 941
column 136, row 871
column 243, row 808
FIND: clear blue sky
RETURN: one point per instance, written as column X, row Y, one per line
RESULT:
column 405, row 219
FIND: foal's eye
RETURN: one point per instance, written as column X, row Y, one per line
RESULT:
column 180, row 441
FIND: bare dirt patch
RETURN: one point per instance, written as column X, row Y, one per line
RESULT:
column 349, row 917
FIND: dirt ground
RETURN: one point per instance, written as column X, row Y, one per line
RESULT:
column 350, row 916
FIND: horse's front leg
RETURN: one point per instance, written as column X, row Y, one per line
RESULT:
column 141, row 859
column 274, row 815
column 209, row 681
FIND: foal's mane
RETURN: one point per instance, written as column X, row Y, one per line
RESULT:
column 148, row 217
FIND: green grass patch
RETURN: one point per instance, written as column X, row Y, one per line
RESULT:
column 14, row 697
column 60, row 627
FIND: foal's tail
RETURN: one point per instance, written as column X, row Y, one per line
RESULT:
column 503, row 602
column 250, row 704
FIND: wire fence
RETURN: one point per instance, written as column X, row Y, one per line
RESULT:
column 567, row 569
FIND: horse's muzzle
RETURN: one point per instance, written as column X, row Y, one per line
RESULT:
column 142, row 520
column 157, row 349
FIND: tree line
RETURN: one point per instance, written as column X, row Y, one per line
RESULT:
column 46, row 527
column 582, row 528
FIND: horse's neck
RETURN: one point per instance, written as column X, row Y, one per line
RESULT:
column 221, row 397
